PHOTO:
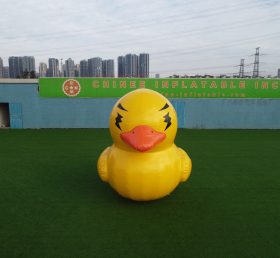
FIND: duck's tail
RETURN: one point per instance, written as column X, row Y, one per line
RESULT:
column 186, row 165
column 102, row 165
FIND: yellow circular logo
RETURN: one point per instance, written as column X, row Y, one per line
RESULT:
column 71, row 88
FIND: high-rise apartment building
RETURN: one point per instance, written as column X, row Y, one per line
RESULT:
column 70, row 68
column 28, row 64
column 77, row 70
column 62, row 73
column 1, row 67
column 84, row 68
column 144, row 68
column 95, row 67
column 15, row 67
column 6, row 72
column 108, row 68
column 19, row 65
column 53, row 70
column 43, row 70
column 131, row 66
column 121, row 66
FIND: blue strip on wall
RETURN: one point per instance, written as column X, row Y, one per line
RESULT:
column 15, row 115
column 180, row 109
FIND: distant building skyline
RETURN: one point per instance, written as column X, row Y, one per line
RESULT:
column 128, row 66
column 98, row 68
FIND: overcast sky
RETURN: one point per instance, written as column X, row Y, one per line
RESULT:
column 181, row 36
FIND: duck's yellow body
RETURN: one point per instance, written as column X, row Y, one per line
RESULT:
column 143, row 163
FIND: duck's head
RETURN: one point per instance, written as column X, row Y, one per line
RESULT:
column 143, row 120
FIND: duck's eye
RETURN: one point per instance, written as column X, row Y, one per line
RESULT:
column 165, row 107
column 118, row 121
column 167, row 120
column 121, row 107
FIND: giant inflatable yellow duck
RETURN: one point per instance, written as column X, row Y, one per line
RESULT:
column 143, row 163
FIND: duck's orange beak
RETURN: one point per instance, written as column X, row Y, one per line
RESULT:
column 143, row 138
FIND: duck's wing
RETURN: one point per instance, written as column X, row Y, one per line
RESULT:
column 102, row 164
column 186, row 165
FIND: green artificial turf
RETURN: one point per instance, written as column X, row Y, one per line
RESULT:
column 52, row 203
